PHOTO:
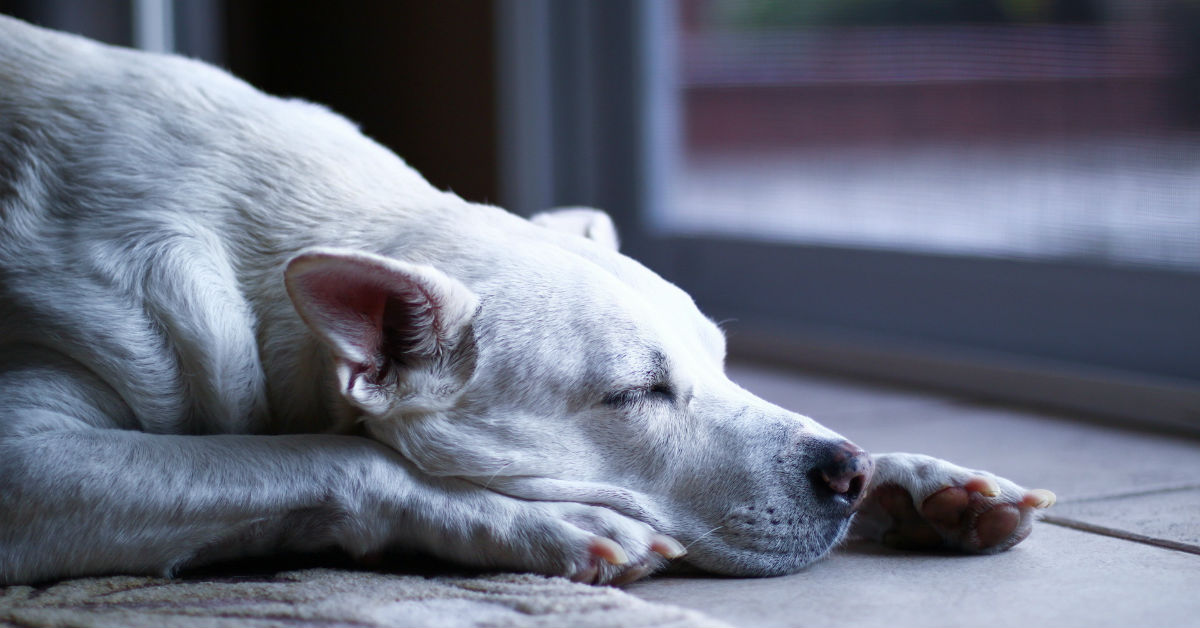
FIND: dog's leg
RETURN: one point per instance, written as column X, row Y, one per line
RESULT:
column 79, row 496
column 919, row 502
column 90, row 501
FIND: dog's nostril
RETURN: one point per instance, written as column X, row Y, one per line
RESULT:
column 844, row 473
column 841, row 480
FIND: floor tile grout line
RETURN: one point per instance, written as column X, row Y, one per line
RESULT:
column 1121, row 534
column 1131, row 493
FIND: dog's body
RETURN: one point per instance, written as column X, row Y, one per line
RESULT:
column 230, row 325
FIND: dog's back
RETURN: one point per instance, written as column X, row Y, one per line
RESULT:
column 134, row 187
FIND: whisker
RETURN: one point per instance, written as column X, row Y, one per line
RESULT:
column 697, row 539
column 488, row 484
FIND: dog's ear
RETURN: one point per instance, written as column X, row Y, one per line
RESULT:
column 381, row 317
column 590, row 223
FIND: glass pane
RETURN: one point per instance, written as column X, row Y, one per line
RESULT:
column 1041, row 129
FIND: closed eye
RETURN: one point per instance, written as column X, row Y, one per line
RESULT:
column 655, row 392
column 663, row 390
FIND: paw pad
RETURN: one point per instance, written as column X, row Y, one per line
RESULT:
column 993, row 527
column 975, row 516
column 947, row 506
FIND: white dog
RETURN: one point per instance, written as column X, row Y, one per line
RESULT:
column 232, row 325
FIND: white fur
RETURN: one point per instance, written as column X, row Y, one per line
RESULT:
column 231, row 324
column 588, row 222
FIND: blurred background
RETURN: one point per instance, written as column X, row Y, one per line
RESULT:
column 997, row 197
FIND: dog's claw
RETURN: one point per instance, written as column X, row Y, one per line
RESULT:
column 1039, row 498
column 983, row 485
column 631, row 575
column 609, row 551
column 667, row 547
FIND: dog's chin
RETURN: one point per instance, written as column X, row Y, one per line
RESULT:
column 765, row 556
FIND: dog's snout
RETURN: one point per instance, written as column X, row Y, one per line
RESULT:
column 844, row 473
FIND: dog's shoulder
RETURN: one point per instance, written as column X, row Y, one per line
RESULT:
column 23, row 42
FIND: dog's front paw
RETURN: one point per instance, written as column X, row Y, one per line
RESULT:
column 919, row 502
column 608, row 548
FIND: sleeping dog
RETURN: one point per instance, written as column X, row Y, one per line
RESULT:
column 232, row 325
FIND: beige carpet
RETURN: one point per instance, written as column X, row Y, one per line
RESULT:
column 328, row 597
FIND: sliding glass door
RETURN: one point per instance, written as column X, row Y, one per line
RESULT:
column 1001, row 198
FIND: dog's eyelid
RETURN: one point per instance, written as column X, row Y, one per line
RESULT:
column 620, row 398
column 662, row 389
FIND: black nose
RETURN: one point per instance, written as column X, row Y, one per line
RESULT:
column 843, row 474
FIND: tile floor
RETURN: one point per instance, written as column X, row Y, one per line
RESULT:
column 1124, row 548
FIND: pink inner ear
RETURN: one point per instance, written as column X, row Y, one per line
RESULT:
column 374, row 313
column 349, row 310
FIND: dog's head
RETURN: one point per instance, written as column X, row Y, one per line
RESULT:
column 548, row 367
